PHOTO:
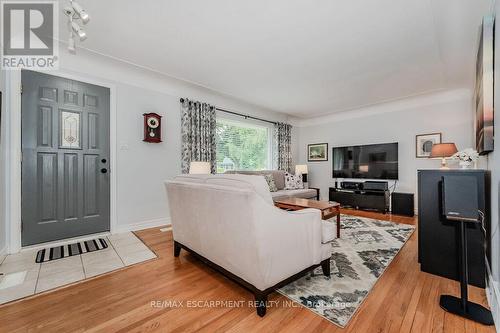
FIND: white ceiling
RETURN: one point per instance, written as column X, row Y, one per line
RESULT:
column 303, row 58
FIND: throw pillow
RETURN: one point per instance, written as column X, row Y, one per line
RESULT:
column 271, row 183
column 293, row 182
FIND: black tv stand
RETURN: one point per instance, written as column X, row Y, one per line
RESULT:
column 361, row 199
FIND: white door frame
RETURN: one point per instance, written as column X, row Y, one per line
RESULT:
column 14, row 149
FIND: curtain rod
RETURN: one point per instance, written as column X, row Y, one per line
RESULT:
column 240, row 114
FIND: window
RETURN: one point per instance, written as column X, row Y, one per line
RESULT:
column 70, row 129
column 242, row 145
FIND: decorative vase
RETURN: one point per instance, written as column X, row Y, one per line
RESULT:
column 465, row 164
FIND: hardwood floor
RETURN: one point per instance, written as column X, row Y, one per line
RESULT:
column 134, row 299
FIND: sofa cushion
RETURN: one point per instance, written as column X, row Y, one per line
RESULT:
column 302, row 193
column 280, row 194
column 279, row 178
column 270, row 182
column 278, row 175
column 256, row 183
column 293, row 182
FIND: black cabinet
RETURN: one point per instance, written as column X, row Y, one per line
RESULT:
column 369, row 199
column 439, row 239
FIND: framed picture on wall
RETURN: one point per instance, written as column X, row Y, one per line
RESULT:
column 317, row 152
column 424, row 143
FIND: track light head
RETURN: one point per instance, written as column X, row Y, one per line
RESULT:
column 79, row 31
column 75, row 12
column 84, row 16
column 82, row 35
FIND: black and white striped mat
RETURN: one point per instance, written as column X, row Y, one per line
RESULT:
column 69, row 250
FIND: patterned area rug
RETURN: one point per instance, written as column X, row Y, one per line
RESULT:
column 359, row 258
column 64, row 251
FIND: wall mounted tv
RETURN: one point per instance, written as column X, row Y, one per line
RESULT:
column 378, row 161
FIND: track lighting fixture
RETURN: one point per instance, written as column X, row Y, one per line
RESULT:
column 75, row 13
column 80, row 12
column 79, row 31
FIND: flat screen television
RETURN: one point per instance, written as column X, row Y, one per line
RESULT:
column 378, row 161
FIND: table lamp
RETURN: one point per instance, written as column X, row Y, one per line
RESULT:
column 442, row 151
column 199, row 168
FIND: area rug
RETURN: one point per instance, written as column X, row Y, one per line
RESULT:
column 359, row 258
column 63, row 251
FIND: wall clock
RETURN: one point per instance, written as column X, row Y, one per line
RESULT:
column 152, row 127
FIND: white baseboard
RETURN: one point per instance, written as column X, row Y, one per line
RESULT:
column 143, row 225
column 493, row 296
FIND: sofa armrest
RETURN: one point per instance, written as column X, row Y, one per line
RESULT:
column 288, row 242
column 317, row 191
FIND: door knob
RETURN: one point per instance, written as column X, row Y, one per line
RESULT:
column 104, row 170
column 103, row 160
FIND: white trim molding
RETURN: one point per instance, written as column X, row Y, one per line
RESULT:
column 13, row 144
column 13, row 169
column 493, row 296
column 161, row 222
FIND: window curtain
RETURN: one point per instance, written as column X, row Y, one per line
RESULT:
column 283, row 143
column 197, row 134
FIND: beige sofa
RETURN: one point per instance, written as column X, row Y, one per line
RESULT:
column 231, row 223
column 279, row 179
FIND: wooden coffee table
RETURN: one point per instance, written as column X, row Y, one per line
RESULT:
column 328, row 209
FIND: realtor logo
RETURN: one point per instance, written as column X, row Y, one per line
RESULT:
column 29, row 35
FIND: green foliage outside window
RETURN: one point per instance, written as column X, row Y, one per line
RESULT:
column 241, row 146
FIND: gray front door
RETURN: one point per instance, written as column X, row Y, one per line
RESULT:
column 65, row 158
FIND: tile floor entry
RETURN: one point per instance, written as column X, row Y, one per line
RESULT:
column 24, row 277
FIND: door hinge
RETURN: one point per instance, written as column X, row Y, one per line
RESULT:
column 21, row 89
column 22, row 226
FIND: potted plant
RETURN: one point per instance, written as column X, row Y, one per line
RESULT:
column 467, row 158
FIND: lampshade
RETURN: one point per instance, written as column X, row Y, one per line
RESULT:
column 301, row 168
column 198, row 168
column 442, row 150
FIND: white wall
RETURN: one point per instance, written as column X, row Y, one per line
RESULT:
column 448, row 112
column 141, row 168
